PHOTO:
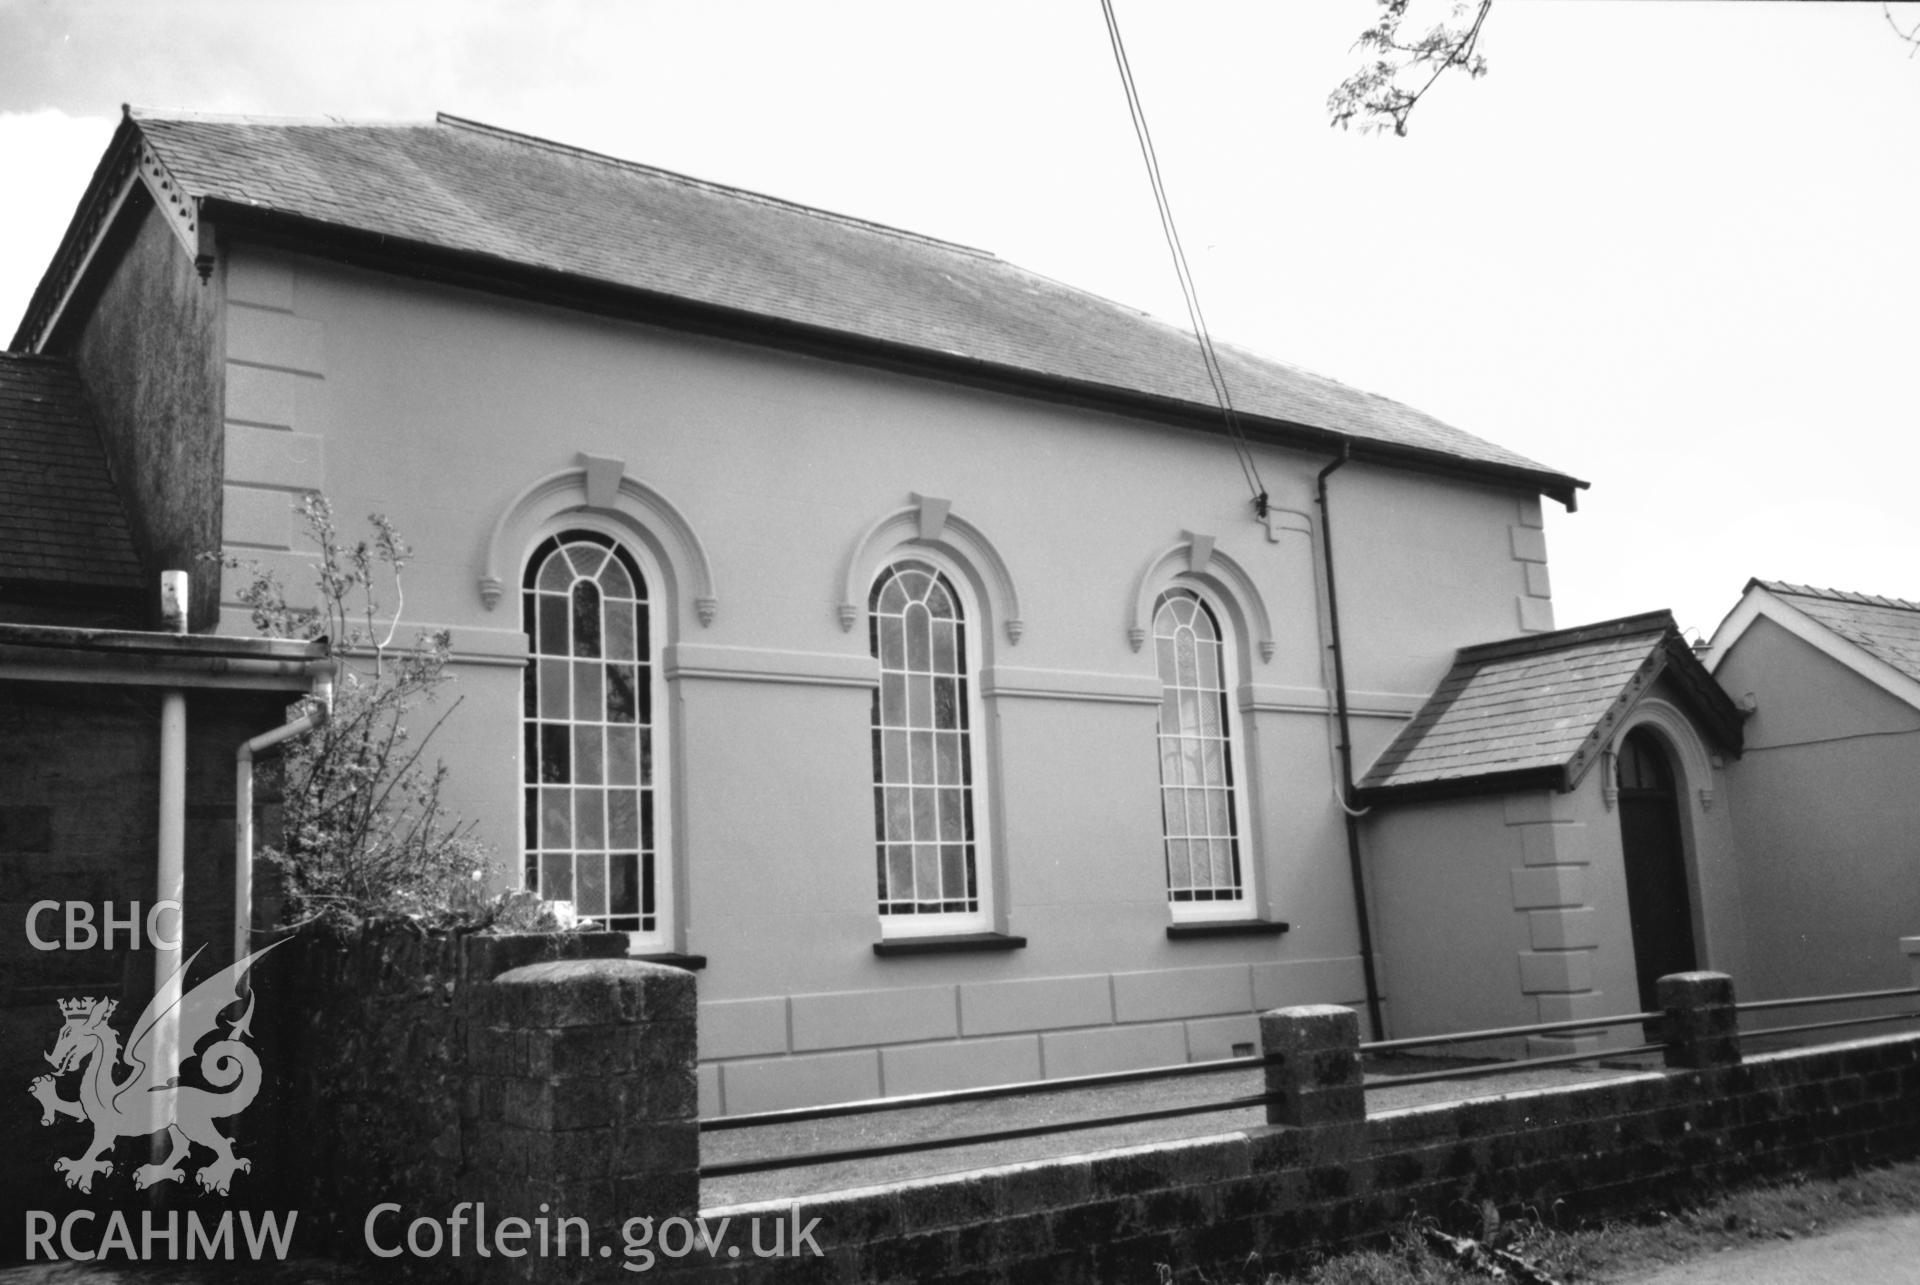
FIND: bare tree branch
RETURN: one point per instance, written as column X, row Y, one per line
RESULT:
column 1910, row 35
column 1375, row 97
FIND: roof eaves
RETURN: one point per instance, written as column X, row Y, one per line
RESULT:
column 55, row 653
column 1499, row 782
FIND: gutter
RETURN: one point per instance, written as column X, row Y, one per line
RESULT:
column 1348, row 813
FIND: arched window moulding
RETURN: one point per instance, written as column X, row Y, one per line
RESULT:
column 1678, row 733
column 1196, row 555
column 930, row 521
column 601, row 485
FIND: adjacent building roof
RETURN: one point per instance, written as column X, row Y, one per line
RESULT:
column 1877, row 637
column 487, row 206
column 61, row 523
column 1536, row 711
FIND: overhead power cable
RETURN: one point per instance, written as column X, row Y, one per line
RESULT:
column 1216, row 374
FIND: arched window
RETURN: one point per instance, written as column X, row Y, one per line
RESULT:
column 928, row 854
column 1199, row 804
column 592, row 820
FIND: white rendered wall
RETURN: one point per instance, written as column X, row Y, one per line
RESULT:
column 438, row 406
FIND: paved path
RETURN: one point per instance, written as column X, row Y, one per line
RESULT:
column 1878, row 1251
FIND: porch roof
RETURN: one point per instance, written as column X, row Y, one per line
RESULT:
column 1536, row 711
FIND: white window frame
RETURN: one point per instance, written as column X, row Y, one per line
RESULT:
column 662, row 938
column 1244, row 844
column 971, row 665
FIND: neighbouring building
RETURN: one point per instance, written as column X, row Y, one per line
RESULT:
column 878, row 627
column 1828, row 818
column 117, row 746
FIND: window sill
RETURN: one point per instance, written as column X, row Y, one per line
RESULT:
column 955, row 944
column 1226, row 928
column 674, row 959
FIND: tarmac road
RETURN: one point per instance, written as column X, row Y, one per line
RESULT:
column 1877, row 1251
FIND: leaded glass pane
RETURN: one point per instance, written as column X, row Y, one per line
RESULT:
column 940, row 602
column 922, row 763
column 553, row 625
column 919, row 631
column 620, row 629
column 556, row 876
column 953, row 872
column 623, row 897
column 899, row 813
column 926, row 872
column 893, row 647
column 621, row 764
column 947, row 759
column 590, row 877
column 623, row 819
column 614, row 580
column 556, row 818
column 590, row 819
column 555, row 692
column 587, row 560
column 589, row 701
column 588, row 761
column 620, row 694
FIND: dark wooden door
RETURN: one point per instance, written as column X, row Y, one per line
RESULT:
column 1658, row 903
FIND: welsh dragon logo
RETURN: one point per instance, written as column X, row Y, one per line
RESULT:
column 149, row 1097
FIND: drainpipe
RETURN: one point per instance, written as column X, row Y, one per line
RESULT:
column 243, row 806
column 171, row 874
column 1346, row 756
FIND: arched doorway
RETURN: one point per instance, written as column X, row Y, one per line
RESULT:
column 1654, row 850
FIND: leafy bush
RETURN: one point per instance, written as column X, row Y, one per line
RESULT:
column 365, row 835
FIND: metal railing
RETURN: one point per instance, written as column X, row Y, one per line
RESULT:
column 1812, row 1001
column 1375, row 1048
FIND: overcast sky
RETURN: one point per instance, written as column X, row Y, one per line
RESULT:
column 1667, row 247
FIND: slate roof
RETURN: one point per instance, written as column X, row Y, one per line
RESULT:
column 61, row 523
column 509, row 199
column 1537, row 710
column 1888, row 629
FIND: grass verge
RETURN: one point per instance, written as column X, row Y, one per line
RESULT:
column 1619, row 1248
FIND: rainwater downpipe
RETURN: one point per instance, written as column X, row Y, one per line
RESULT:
column 1346, row 755
column 171, row 873
column 313, row 720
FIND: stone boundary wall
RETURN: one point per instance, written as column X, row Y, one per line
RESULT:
column 414, row 1068
column 1324, row 1176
